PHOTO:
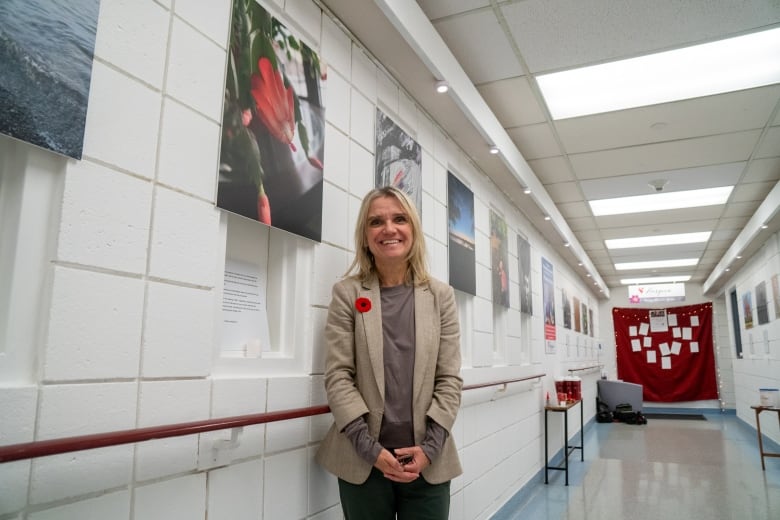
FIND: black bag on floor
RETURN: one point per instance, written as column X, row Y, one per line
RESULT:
column 603, row 415
column 624, row 412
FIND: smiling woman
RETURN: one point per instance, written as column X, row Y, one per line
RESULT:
column 392, row 425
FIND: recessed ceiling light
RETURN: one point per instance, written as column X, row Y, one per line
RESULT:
column 494, row 150
column 728, row 65
column 661, row 201
column 547, row 217
column 442, row 86
column 739, row 257
column 658, row 240
column 655, row 279
column 566, row 244
column 764, row 226
column 527, row 190
column 680, row 262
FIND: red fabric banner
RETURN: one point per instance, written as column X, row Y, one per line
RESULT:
column 667, row 351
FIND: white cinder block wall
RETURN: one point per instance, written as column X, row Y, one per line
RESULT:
column 114, row 267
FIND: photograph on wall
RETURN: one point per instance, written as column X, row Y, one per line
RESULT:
column 461, row 246
column 762, row 304
column 585, row 322
column 46, row 50
column 273, row 125
column 548, row 304
column 776, row 294
column 499, row 259
column 398, row 159
column 577, row 316
column 566, row 309
column 747, row 309
column 524, row 268
column 590, row 323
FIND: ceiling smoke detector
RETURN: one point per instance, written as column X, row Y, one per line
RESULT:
column 658, row 185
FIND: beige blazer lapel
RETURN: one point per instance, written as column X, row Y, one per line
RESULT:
column 425, row 335
column 372, row 323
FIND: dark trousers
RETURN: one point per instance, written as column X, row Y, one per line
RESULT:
column 381, row 499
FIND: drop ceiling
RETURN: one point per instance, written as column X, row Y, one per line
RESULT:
column 500, row 47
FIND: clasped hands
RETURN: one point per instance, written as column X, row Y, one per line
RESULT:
column 403, row 466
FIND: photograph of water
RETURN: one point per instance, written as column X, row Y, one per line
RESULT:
column 46, row 49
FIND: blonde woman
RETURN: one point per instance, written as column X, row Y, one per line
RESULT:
column 392, row 372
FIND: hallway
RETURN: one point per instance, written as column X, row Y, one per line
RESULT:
column 689, row 469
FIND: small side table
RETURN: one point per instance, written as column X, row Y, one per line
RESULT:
column 758, row 410
column 567, row 450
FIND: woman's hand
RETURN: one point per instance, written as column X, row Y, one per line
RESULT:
column 392, row 468
column 413, row 459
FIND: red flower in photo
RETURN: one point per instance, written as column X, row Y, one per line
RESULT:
column 274, row 102
column 363, row 304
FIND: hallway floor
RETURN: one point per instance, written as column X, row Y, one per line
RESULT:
column 669, row 468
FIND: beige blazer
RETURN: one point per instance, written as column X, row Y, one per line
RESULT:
column 355, row 377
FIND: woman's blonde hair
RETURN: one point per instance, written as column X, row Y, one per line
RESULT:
column 363, row 265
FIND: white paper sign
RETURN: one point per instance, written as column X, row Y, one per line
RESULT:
column 672, row 318
column 651, row 356
column 676, row 346
column 658, row 320
column 687, row 334
column 244, row 317
column 648, row 341
column 664, row 348
column 694, row 321
column 644, row 328
column 666, row 363
column 636, row 346
column 632, row 330
column 676, row 332
column 694, row 347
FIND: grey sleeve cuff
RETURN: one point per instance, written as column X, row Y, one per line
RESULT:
column 366, row 446
column 435, row 436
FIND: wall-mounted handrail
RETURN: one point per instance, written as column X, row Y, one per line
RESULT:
column 504, row 382
column 585, row 368
column 29, row 450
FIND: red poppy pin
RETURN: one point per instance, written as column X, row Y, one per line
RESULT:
column 363, row 304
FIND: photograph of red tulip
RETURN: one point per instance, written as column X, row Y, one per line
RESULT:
column 273, row 125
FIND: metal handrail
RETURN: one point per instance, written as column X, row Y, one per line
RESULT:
column 585, row 368
column 29, row 450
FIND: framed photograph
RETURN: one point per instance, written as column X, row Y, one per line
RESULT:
column 461, row 245
column 398, row 159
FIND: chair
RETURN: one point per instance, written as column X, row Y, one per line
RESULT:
column 613, row 393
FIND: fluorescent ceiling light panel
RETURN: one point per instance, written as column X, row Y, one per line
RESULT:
column 659, row 240
column 739, row 63
column 657, row 264
column 655, row 279
column 661, row 201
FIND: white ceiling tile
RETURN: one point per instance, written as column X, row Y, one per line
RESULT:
column 568, row 33
column 512, row 101
column 712, row 115
column 770, row 146
column 551, row 170
column 763, row 170
column 434, row 9
column 564, row 192
column 679, row 180
column 751, row 192
column 535, row 141
column 665, row 156
column 480, row 45
column 574, row 210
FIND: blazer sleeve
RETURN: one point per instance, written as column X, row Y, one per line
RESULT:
column 345, row 401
